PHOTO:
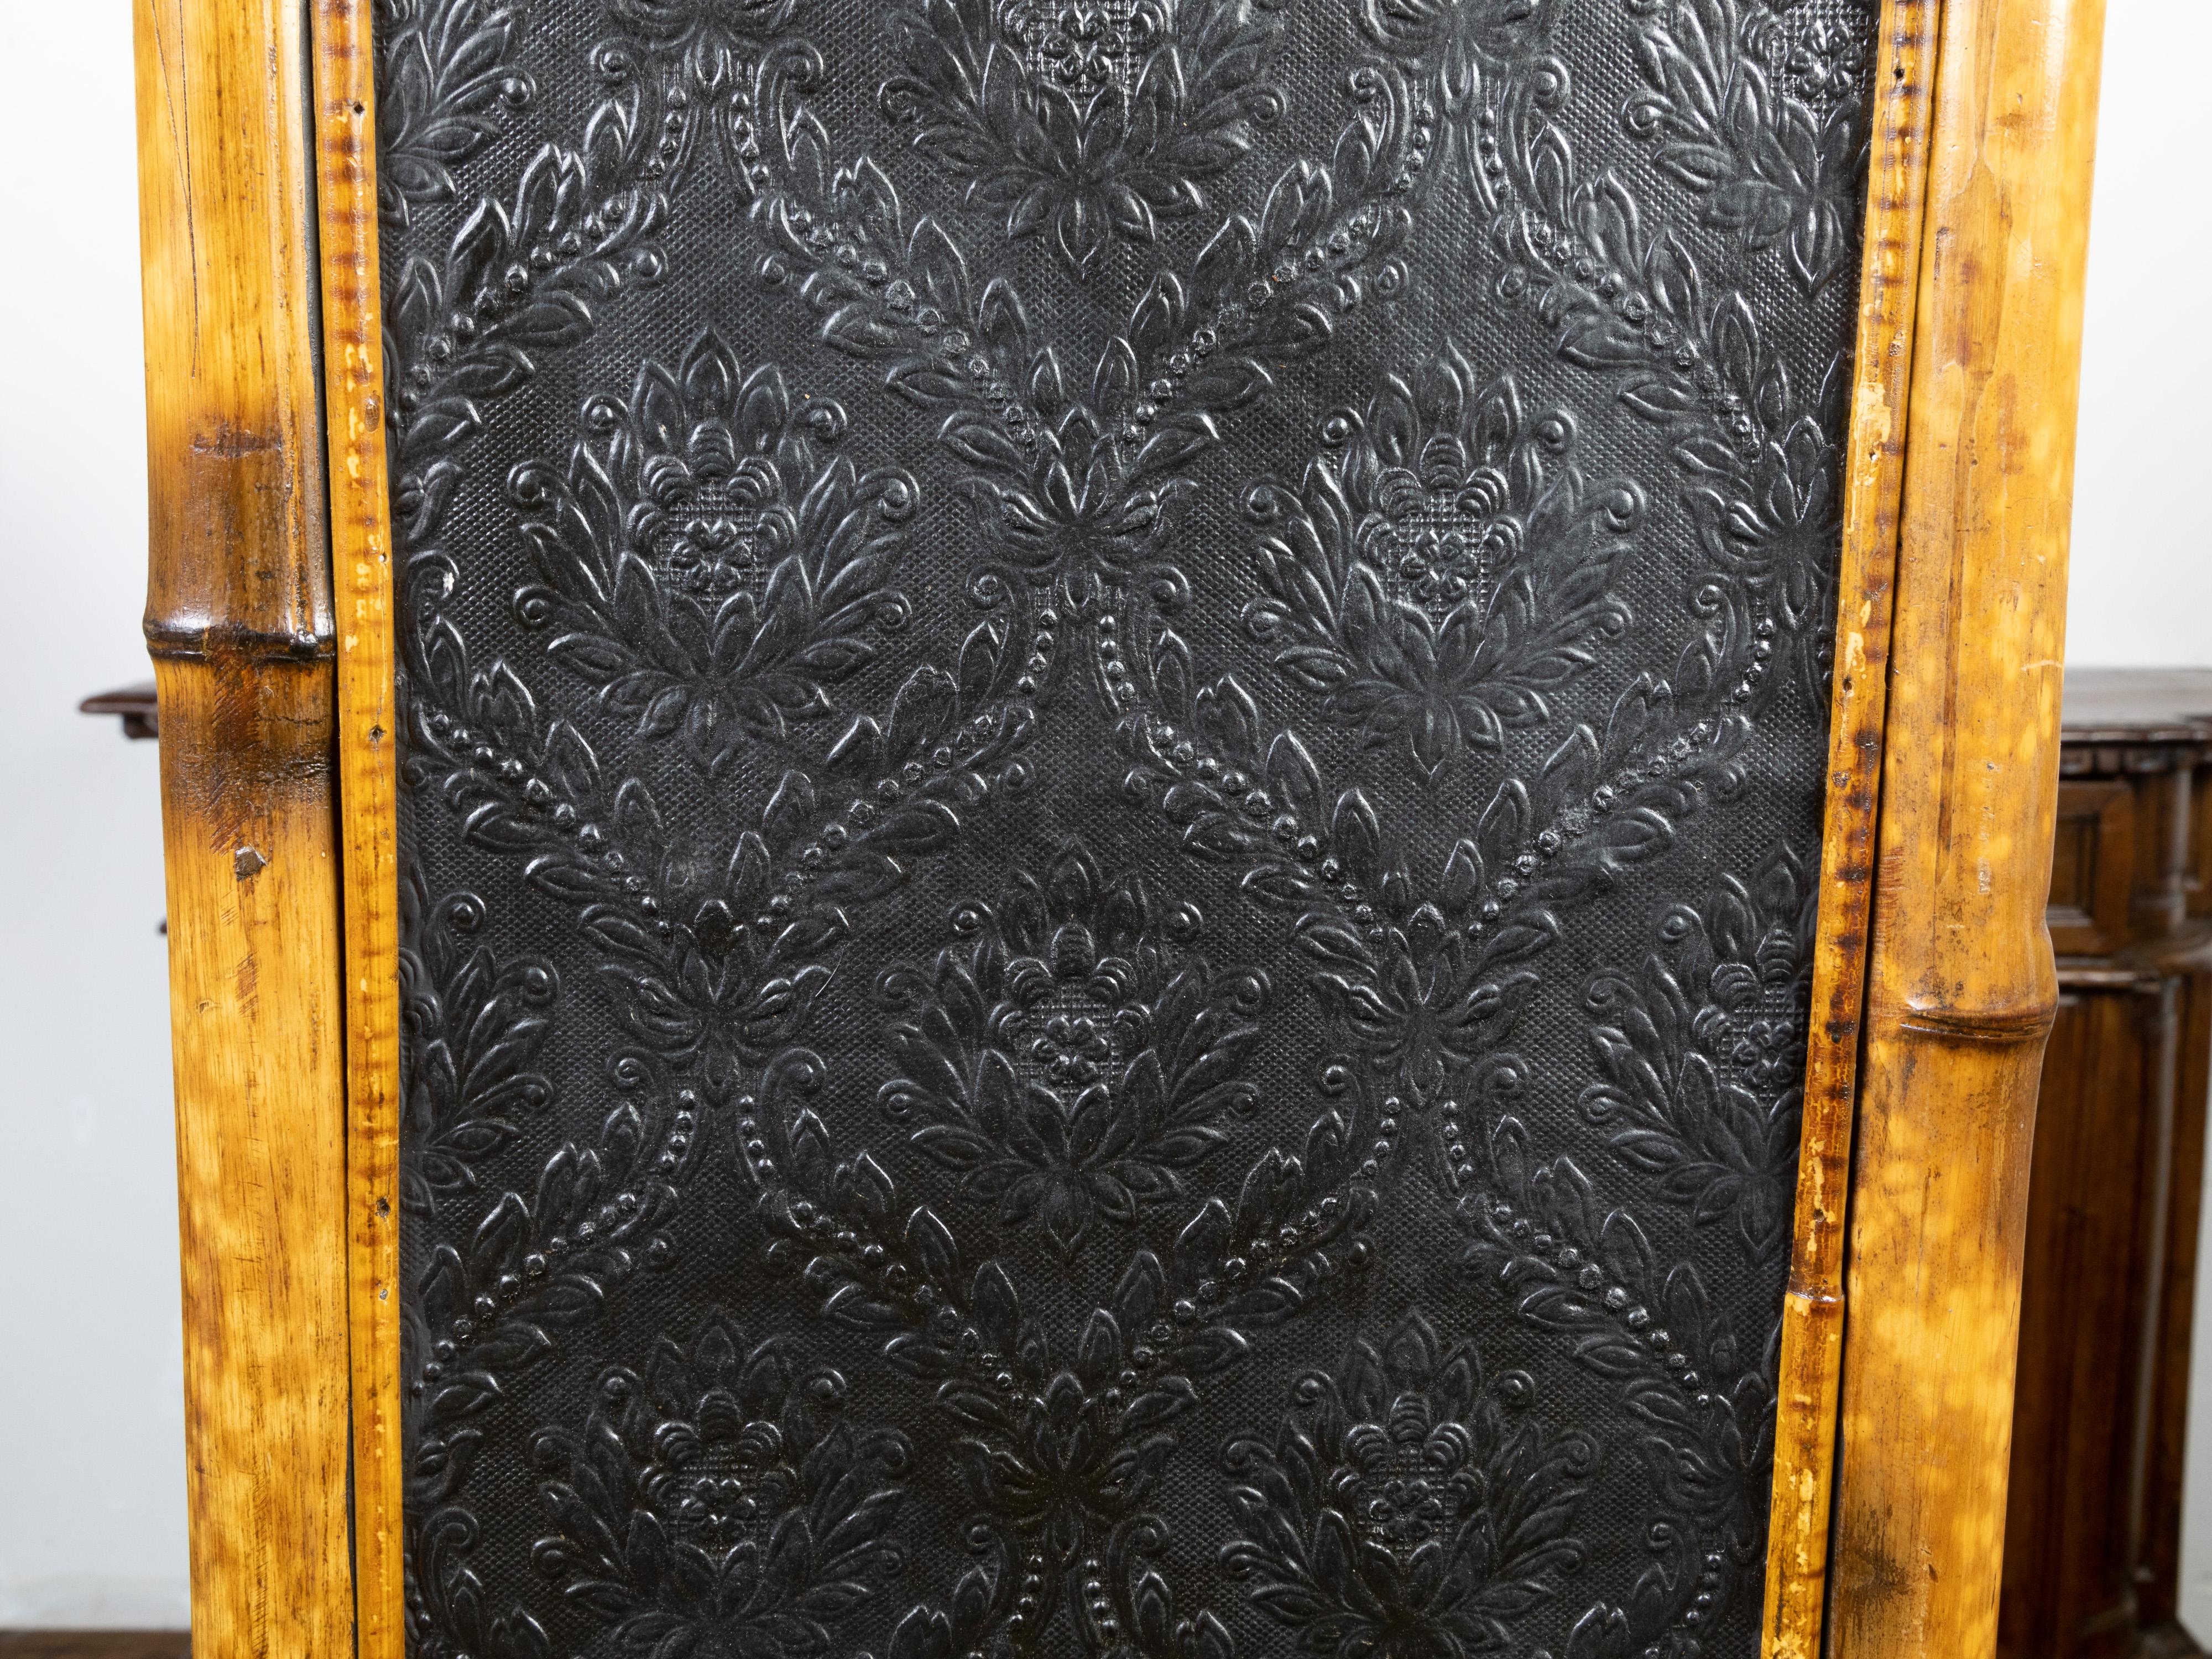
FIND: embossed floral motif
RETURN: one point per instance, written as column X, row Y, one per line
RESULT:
column 1702, row 1397
column 1408, row 1506
column 1071, row 510
column 1078, row 1056
column 1446, row 570
column 467, row 329
column 713, row 764
column 1060, row 1451
column 1767, row 502
column 1084, row 121
column 1067, row 1461
column 1082, row 45
column 1826, row 61
column 710, row 964
column 718, row 1506
column 1703, row 1048
column 446, row 69
column 449, row 1616
column 1421, row 1002
column 475, row 1027
column 1753, row 432
column 1780, row 170
column 1818, row 51
column 712, row 37
column 705, row 570
column 1421, row 976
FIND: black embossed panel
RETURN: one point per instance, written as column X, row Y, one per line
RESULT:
column 1114, row 758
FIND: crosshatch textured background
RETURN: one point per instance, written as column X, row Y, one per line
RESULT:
column 1115, row 731
column 96, row 1535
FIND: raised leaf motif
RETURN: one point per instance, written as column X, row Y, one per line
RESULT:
column 1087, row 123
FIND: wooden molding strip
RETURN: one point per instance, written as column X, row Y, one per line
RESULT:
column 1814, row 1306
column 239, row 617
column 1960, row 960
column 361, row 566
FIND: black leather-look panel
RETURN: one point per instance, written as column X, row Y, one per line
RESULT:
column 1115, row 756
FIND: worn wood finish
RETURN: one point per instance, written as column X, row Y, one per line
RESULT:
column 360, row 559
column 238, row 621
column 1813, row 1309
column 1961, row 989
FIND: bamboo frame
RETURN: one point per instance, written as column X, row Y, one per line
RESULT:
column 1961, row 989
column 238, row 618
column 277, row 710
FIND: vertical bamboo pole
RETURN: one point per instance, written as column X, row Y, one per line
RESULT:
column 238, row 618
column 1961, row 990
column 360, row 559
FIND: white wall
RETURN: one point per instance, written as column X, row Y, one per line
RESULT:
column 92, row 1473
column 2142, row 502
column 2143, row 494
column 91, row 1447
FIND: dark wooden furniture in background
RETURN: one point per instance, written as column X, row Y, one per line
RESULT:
column 134, row 704
column 2094, row 1521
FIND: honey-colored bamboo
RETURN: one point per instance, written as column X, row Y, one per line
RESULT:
column 238, row 621
column 1813, row 1309
column 1962, row 991
column 360, row 563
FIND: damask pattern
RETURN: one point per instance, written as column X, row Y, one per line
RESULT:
column 1114, row 750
